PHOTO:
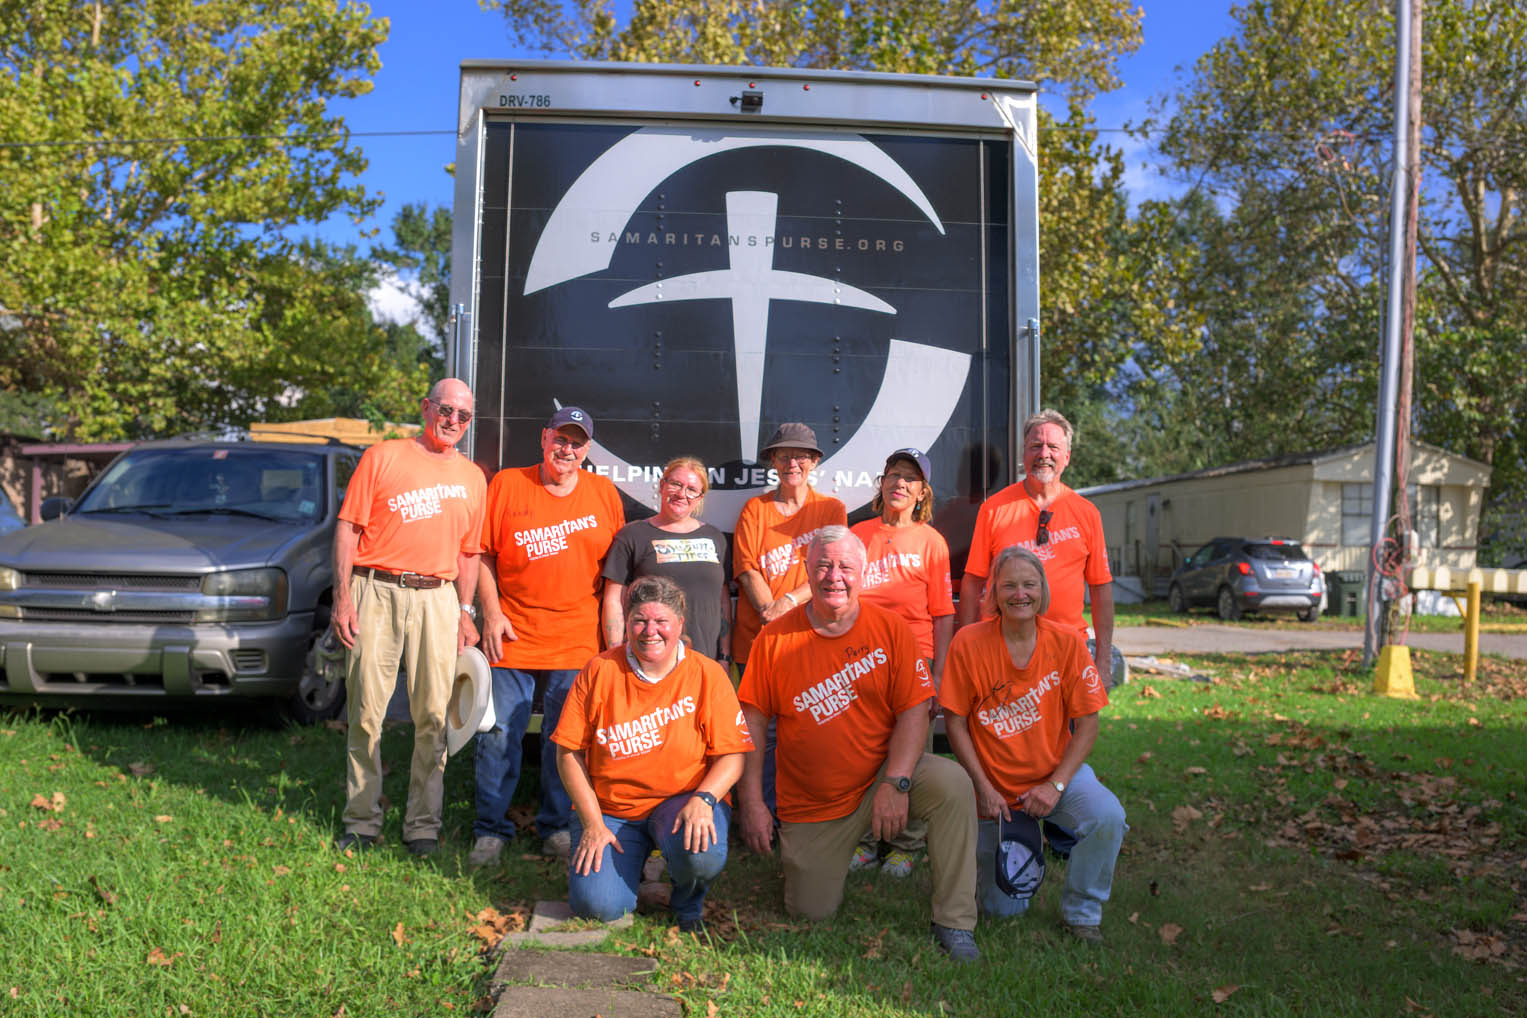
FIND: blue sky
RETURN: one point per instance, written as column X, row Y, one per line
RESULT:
column 416, row 91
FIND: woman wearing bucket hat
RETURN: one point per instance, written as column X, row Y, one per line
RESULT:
column 907, row 572
column 650, row 742
column 1021, row 697
column 675, row 544
column 773, row 530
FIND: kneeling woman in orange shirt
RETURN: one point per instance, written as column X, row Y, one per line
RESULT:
column 1021, row 698
column 649, row 744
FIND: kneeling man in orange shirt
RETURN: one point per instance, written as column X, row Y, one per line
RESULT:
column 850, row 693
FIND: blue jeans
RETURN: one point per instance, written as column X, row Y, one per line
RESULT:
column 1094, row 815
column 611, row 892
column 499, row 748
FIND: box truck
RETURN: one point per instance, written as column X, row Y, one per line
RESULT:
column 695, row 255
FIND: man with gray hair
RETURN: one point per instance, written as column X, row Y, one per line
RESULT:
column 1055, row 523
column 850, row 693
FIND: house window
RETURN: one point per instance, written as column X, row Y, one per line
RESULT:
column 1356, row 513
column 1425, row 514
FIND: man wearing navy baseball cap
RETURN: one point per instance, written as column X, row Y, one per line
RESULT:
column 545, row 535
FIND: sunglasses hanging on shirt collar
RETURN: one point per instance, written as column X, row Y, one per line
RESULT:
column 1042, row 535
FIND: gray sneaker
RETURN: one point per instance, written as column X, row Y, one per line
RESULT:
column 485, row 851
column 558, row 844
column 1086, row 934
column 959, row 945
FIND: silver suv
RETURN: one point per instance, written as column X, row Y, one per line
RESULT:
column 189, row 571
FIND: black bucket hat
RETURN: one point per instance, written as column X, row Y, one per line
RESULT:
column 792, row 435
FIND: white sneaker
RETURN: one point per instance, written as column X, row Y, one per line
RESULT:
column 485, row 851
column 559, row 844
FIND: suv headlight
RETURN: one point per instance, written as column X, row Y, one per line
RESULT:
column 244, row 595
column 10, row 579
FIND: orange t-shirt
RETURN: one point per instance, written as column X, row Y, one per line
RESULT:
column 1074, row 557
column 648, row 741
column 835, row 700
column 550, row 551
column 775, row 546
column 907, row 571
column 1020, row 718
column 416, row 511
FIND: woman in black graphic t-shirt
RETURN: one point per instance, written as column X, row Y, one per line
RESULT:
column 675, row 544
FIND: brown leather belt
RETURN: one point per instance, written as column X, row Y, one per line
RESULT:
column 417, row 581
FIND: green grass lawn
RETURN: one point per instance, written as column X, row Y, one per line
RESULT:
column 1297, row 847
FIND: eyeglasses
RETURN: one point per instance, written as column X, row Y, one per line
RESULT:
column 676, row 487
column 793, row 457
column 1042, row 535
column 447, row 411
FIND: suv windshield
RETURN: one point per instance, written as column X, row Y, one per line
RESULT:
column 267, row 483
column 1285, row 552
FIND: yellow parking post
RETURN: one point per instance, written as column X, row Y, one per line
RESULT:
column 1392, row 676
column 1471, row 632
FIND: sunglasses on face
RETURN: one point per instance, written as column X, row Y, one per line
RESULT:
column 1042, row 535
column 446, row 411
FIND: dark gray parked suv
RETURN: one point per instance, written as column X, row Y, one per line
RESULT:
column 1241, row 574
column 188, row 571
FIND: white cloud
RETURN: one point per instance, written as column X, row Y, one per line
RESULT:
column 392, row 300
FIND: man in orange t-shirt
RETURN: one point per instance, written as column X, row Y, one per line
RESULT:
column 1055, row 523
column 405, row 573
column 850, row 694
column 545, row 536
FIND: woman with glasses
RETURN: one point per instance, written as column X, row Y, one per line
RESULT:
column 773, row 530
column 907, row 572
column 675, row 544
column 1021, row 697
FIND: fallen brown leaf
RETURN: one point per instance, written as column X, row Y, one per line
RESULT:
column 397, row 934
column 158, row 957
column 140, row 769
column 1222, row 993
column 163, row 818
column 1149, row 692
column 1169, row 933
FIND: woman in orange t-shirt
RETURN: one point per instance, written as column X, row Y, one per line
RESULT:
column 1021, row 697
column 649, row 744
column 907, row 572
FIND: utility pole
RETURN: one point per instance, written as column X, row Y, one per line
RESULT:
column 1391, row 466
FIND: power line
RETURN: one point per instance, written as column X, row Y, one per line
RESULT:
column 298, row 138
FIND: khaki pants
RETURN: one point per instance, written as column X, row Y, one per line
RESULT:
column 419, row 628
column 816, row 855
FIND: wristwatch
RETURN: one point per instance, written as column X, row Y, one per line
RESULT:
column 707, row 798
column 1060, row 786
column 470, row 609
column 900, row 784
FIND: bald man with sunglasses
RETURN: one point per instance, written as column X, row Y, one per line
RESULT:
column 405, row 573
column 1055, row 523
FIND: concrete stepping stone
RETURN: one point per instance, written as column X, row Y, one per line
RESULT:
column 545, row 919
column 605, row 1002
column 572, row 984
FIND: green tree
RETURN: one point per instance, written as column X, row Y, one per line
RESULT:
column 1073, row 47
column 1288, row 123
column 155, row 156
